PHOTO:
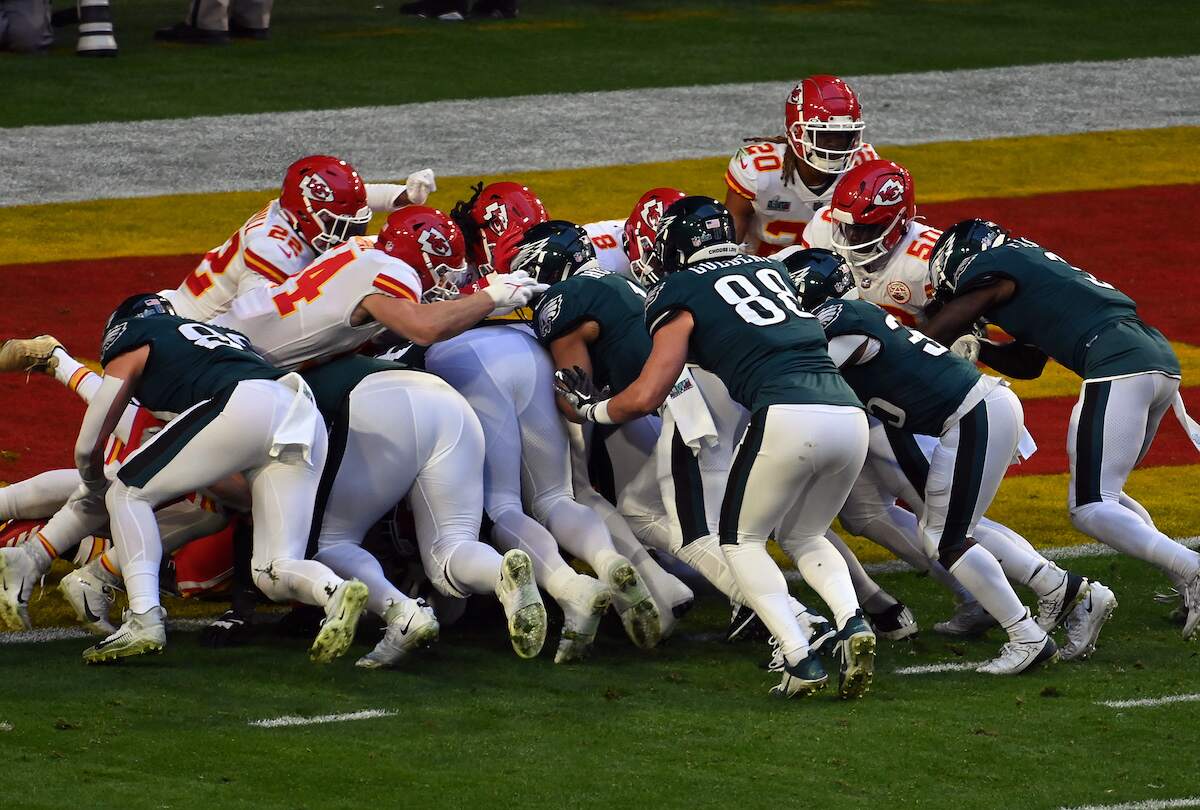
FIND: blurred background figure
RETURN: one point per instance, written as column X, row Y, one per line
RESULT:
column 456, row 10
column 25, row 26
column 213, row 22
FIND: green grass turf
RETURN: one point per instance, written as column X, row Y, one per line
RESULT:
column 687, row 726
column 328, row 54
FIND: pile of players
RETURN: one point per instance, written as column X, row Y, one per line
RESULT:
column 667, row 390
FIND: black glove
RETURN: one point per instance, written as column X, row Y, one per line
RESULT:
column 576, row 387
column 230, row 629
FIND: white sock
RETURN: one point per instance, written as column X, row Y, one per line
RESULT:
column 306, row 581
column 515, row 529
column 668, row 591
column 473, row 567
column 1046, row 579
column 980, row 572
column 141, row 584
column 824, row 569
column 1020, row 563
column 1123, row 529
column 765, row 591
column 352, row 561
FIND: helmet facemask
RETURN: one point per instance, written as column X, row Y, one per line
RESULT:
column 861, row 245
column 337, row 228
column 827, row 146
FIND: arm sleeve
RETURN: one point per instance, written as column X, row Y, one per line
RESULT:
column 381, row 197
column 1018, row 360
column 103, row 412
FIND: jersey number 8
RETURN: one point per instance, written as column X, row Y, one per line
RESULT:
column 749, row 302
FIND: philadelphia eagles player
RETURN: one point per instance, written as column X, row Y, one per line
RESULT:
column 916, row 386
column 1130, row 375
column 738, row 317
column 236, row 414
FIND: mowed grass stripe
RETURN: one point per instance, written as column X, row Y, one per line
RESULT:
column 1006, row 167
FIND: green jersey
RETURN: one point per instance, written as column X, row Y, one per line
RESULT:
column 750, row 331
column 1084, row 323
column 332, row 382
column 617, row 305
column 189, row 361
column 912, row 382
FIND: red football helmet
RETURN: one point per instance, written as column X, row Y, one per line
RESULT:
column 824, row 123
column 325, row 200
column 871, row 208
column 638, row 238
column 432, row 244
column 493, row 210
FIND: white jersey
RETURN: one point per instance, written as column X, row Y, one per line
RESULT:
column 606, row 239
column 898, row 282
column 780, row 211
column 308, row 317
column 263, row 252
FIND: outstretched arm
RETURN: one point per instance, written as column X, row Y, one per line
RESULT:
column 104, row 411
column 571, row 351
column 956, row 317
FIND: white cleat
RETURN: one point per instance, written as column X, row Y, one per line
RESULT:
column 91, row 598
column 139, row 634
column 1055, row 606
column 1018, row 656
column 522, row 603
column 1191, row 600
column 29, row 354
column 18, row 572
column 634, row 604
column 585, row 603
column 969, row 620
column 411, row 625
column 342, row 612
column 1086, row 621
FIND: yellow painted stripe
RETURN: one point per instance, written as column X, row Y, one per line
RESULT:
column 1008, row 167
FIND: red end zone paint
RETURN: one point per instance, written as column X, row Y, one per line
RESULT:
column 1140, row 239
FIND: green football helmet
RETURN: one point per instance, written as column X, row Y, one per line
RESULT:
column 817, row 273
column 552, row 251
column 691, row 230
column 956, row 248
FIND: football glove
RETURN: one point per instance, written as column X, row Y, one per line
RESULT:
column 966, row 347
column 229, row 629
column 510, row 291
column 576, row 387
column 419, row 186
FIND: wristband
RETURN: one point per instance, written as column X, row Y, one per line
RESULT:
column 598, row 413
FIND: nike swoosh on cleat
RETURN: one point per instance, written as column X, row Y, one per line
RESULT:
column 407, row 625
column 87, row 611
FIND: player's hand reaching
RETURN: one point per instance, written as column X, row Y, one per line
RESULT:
column 576, row 387
column 505, row 249
column 510, row 291
column 419, row 186
column 966, row 347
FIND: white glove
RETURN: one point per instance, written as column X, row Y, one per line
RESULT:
column 966, row 347
column 419, row 186
column 510, row 291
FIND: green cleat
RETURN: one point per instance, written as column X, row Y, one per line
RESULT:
column 856, row 649
column 341, row 618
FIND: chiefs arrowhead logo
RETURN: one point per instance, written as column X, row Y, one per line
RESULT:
column 652, row 212
column 434, row 241
column 497, row 216
column 314, row 187
column 890, row 193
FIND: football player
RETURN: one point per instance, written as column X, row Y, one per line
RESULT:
column 776, row 184
column 1130, row 375
column 871, row 221
column 917, row 386
column 237, row 414
column 897, row 469
column 737, row 316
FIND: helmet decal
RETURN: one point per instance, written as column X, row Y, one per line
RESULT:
column 432, row 240
column 497, row 216
column 315, row 188
column 890, row 193
column 652, row 212
column 548, row 312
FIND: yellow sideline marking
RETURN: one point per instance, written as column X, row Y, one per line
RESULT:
column 194, row 223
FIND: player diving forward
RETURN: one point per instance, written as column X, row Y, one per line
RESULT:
column 917, row 386
column 738, row 316
column 1130, row 376
column 237, row 414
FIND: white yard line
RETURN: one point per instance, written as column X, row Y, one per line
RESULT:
column 930, row 669
column 1146, row 804
column 489, row 136
column 291, row 720
column 43, row 635
column 1145, row 703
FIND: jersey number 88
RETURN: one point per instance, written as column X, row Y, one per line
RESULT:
column 750, row 302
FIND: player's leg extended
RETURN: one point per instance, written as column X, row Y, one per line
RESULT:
column 546, row 487
column 1112, row 427
column 38, row 497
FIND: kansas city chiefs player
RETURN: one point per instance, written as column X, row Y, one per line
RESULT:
column 872, row 223
column 777, row 183
column 322, row 203
column 640, row 229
